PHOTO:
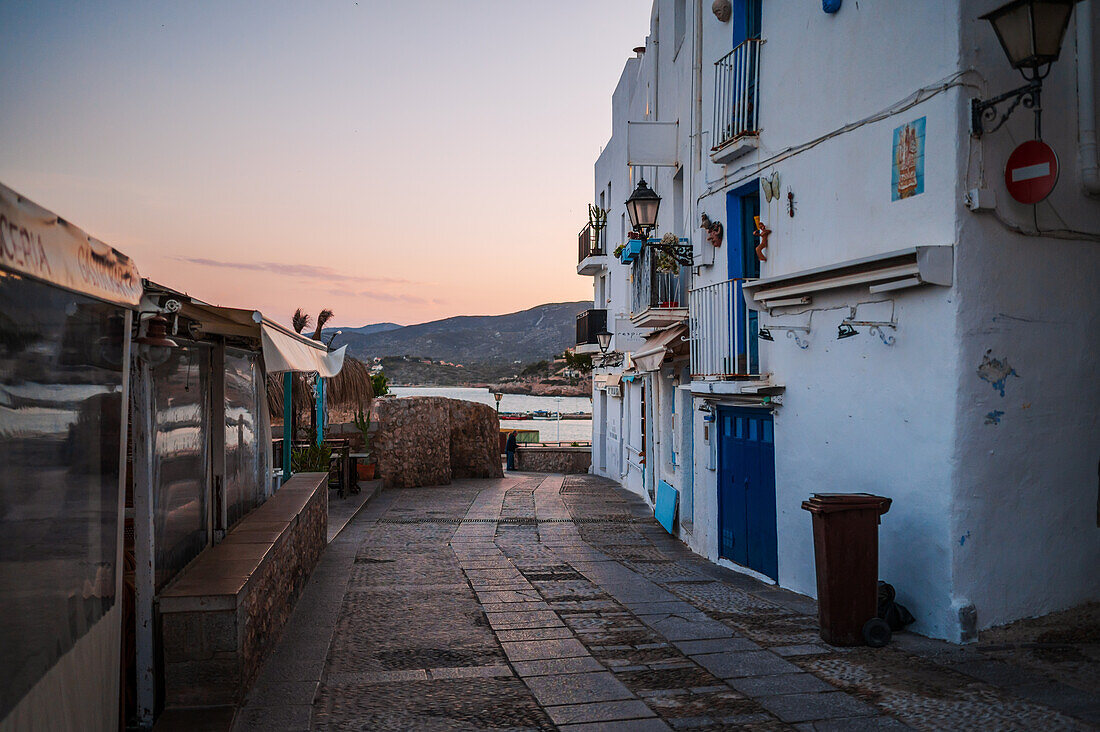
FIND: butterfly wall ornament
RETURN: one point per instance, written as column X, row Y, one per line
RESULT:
column 770, row 185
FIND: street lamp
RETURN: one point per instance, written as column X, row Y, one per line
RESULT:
column 497, row 395
column 604, row 339
column 1031, row 33
column 642, row 207
column 557, row 401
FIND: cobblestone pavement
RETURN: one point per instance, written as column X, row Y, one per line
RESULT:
column 541, row 602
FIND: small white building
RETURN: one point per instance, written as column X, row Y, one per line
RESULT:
column 907, row 328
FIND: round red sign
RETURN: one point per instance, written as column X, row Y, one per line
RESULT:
column 1031, row 171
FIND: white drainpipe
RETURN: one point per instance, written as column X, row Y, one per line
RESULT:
column 1086, row 101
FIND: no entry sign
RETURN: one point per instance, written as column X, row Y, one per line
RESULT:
column 1031, row 172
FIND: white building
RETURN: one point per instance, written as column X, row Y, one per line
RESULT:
column 967, row 392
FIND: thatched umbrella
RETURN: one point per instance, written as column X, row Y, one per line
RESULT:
column 347, row 392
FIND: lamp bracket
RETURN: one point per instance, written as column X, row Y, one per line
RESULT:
column 681, row 252
column 611, row 360
column 984, row 113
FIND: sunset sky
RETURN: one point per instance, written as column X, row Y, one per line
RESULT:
column 394, row 161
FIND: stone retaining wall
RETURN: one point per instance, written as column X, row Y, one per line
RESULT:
column 421, row 441
column 222, row 615
column 567, row 460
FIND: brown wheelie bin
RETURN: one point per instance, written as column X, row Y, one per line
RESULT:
column 846, row 557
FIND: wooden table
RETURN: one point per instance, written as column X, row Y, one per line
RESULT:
column 353, row 459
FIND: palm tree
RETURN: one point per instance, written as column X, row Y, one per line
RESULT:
column 300, row 321
column 322, row 318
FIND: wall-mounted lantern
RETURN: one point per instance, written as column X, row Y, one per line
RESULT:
column 1031, row 33
column 604, row 339
column 642, row 207
column 155, row 346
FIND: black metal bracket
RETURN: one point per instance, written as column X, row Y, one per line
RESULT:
column 610, row 360
column 681, row 252
column 983, row 113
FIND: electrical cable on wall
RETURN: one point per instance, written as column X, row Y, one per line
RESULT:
column 918, row 97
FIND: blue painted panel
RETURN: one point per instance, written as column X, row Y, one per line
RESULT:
column 665, row 506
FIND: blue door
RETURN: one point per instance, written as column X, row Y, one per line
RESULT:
column 742, row 208
column 746, row 489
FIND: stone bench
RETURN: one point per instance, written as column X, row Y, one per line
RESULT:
column 224, row 612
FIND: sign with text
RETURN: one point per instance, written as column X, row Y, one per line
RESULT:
column 1031, row 172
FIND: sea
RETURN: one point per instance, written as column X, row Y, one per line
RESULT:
column 566, row 430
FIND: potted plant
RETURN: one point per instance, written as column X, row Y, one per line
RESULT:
column 366, row 467
column 311, row 459
column 631, row 248
column 667, row 265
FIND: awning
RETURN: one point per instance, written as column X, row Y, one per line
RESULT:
column 40, row 244
column 614, row 379
column 285, row 350
column 904, row 268
column 657, row 347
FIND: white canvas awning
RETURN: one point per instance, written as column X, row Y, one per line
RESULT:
column 657, row 346
column 40, row 244
column 285, row 350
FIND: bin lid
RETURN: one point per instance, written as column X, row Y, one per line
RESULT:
column 833, row 502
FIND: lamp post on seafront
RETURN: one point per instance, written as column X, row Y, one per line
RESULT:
column 497, row 395
column 557, row 401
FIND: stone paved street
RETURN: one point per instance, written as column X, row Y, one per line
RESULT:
column 541, row 602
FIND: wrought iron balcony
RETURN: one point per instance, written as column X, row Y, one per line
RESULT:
column 724, row 340
column 589, row 323
column 589, row 246
column 658, row 298
column 736, row 97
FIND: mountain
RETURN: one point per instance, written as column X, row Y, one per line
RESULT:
column 526, row 336
column 364, row 329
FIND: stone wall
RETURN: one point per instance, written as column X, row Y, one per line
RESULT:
column 474, row 440
column 221, row 616
column 567, row 460
column 421, row 441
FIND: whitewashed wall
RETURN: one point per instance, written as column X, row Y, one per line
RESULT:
column 977, row 505
column 1024, row 532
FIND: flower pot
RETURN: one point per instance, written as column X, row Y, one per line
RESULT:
column 366, row 472
column 632, row 249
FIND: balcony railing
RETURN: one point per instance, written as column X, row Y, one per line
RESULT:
column 723, row 332
column 736, row 93
column 588, row 244
column 589, row 323
column 656, row 289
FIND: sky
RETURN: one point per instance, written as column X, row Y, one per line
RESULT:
column 397, row 160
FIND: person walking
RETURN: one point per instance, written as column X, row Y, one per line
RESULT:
column 510, row 450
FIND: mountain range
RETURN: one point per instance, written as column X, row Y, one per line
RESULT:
column 525, row 336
